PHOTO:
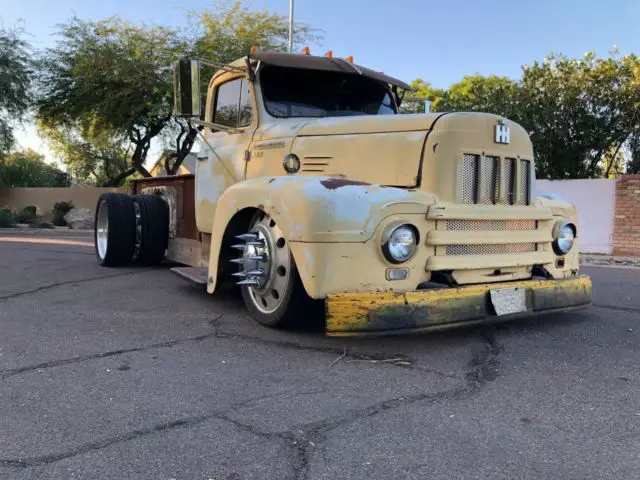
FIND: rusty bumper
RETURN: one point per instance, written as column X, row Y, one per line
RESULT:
column 389, row 313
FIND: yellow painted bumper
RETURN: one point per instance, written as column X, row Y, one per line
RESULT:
column 388, row 313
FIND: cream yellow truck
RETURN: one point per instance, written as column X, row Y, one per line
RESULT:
column 311, row 189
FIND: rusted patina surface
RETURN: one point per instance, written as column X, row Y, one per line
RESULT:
column 333, row 183
column 182, row 206
column 390, row 312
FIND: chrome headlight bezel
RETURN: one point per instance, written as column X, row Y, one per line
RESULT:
column 559, row 229
column 388, row 238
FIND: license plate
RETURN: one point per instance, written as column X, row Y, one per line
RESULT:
column 507, row 301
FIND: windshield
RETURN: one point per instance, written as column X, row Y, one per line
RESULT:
column 294, row 92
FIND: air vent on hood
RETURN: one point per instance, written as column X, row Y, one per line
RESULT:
column 315, row 164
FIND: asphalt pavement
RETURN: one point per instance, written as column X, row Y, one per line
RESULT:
column 135, row 374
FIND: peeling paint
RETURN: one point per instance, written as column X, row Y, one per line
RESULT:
column 334, row 183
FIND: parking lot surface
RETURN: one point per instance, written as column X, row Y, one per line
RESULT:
column 135, row 374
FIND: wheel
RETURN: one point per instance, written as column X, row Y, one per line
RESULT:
column 152, row 229
column 114, row 230
column 271, row 287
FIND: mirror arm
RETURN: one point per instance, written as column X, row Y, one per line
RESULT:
column 216, row 126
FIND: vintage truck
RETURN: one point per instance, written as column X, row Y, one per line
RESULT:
column 312, row 190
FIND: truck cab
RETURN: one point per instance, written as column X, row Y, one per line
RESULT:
column 311, row 189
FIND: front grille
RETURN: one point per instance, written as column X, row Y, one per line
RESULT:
column 525, row 181
column 489, row 190
column 490, row 249
column 490, row 225
column 467, row 179
column 489, row 180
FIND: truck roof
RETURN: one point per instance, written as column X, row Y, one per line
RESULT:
column 313, row 62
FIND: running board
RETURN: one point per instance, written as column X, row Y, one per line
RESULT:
column 197, row 275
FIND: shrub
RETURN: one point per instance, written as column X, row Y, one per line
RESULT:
column 6, row 218
column 27, row 215
column 31, row 209
column 60, row 209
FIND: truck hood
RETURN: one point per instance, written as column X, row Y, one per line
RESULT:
column 368, row 124
column 384, row 149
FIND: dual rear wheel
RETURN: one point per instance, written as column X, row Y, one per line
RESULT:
column 130, row 229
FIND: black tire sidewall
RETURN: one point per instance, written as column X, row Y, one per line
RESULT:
column 121, row 230
column 154, row 213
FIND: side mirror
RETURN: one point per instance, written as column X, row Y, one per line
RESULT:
column 186, row 88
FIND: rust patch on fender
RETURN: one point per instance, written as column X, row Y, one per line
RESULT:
column 335, row 183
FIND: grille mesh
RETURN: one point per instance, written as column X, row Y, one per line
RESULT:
column 467, row 179
column 490, row 249
column 489, row 180
column 523, row 184
column 508, row 177
column 490, row 225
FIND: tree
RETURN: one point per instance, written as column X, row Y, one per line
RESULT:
column 99, row 158
column 110, row 78
column 223, row 34
column 583, row 115
column 28, row 169
column 15, row 79
column 414, row 102
column 579, row 111
column 114, row 79
column 476, row 93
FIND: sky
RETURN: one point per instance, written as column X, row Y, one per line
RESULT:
column 438, row 41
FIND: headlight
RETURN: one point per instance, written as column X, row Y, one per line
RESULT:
column 564, row 234
column 399, row 243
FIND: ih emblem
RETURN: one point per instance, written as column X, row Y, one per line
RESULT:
column 502, row 132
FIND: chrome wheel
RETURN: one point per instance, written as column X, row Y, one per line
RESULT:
column 265, row 264
column 102, row 229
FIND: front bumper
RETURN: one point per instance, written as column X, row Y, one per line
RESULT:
column 389, row 313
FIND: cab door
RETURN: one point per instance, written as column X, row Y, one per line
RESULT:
column 222, row 161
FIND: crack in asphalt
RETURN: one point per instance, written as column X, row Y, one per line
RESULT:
column 184, row 422
column 483, row 367
column 83, row 358
column 403, row 361
column 68, row 282
column 616, row 307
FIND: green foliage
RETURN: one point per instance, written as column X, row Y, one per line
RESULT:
column 415, row 101
column 109, row 79
column 15, row 79
column 6, row 218
column 583, row 115
column 26, row 215
column 28, row 169
column 229, row 30
column 97, row 158
column 106, row 87
column 60, row 209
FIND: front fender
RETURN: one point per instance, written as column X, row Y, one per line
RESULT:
column 314, row 209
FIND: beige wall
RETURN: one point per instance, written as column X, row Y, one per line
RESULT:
column 44, row 198
column 595, row 201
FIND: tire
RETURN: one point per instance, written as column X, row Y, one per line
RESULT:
column 114, row 230
column 281, row 301
column 152, row 229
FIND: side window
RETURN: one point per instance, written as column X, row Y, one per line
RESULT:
column 233, row 104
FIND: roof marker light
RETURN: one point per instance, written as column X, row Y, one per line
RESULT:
column 306, row 51
column 254, row 49
column 350, row 59
column 329, row 54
